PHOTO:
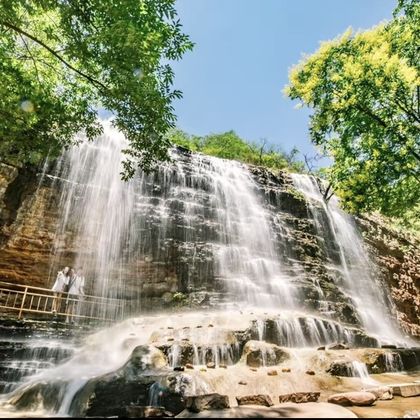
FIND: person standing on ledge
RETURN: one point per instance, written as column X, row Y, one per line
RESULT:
column 59, row 288
column 76, row 287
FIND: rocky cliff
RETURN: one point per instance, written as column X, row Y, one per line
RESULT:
column 28, row 218
column 398, row 257
column 30, row 241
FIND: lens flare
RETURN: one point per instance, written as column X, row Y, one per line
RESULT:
column 27, row 106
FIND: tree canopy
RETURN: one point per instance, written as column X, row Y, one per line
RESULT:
column 60, row 61
column 364, row 89
column 229, row 145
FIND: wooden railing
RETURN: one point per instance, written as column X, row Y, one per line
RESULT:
column 21, row 299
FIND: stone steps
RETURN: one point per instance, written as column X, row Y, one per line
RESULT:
column 22, row 359
column 406, row 390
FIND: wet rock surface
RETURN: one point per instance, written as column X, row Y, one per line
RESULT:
column 260, row 353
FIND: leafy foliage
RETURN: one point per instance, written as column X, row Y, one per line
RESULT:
column 230, row 146
column 62, row 60
column 365, row 94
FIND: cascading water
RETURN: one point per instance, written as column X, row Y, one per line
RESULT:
column 335, row 226
column 208, row 207
column 359, row 370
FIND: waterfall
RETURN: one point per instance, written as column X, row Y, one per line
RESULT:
column 197, row 223
column 203, row 213
column 359, row 369
column 340, row 235
column 393, row 362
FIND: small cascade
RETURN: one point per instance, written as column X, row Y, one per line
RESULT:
column 393, row 362
column 359, row 370
column 227, row 354
column 344, row 247
column 307, row 331
column 22, row 360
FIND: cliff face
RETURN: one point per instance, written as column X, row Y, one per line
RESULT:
column 29, row 240
column 27, row 226
column 398, row 258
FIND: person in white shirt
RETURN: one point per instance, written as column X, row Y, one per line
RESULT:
column 59, row 288
column 76, row 285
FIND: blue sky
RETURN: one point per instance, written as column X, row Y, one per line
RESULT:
column 233, row 79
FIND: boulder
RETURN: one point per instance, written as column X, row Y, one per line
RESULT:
column 381, row 393
column 145, row 358
column 145, row 374
column 340, row 368
column 338, row 346
column 310, row 372
column 207, row 402
column 183, row 349
column 211, row 365
column 300, row 397
column 272, row 372
column 259, row 399
column 260, row 353
column 361, row 398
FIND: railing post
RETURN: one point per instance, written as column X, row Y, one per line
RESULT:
column 23, row 303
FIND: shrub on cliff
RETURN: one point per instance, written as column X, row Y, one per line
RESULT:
column 230, row 146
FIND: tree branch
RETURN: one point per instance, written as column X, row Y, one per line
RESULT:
column 380, row 121
column 407, row 111
column 54, row 53
column 32, row 59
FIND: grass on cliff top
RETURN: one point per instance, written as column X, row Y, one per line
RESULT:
column 230, row 146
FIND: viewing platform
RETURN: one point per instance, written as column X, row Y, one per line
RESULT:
column 23, row 301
